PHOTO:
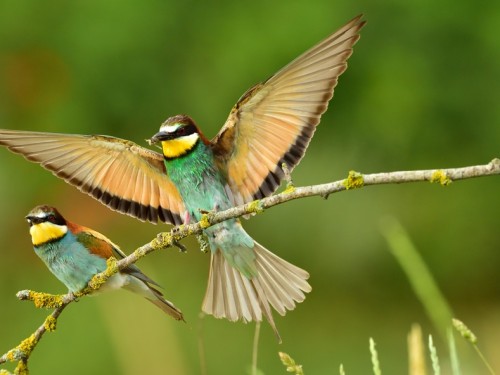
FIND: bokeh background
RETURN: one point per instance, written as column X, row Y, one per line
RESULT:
column 421, row 92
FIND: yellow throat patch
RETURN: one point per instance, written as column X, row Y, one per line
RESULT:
column 45, row 232
column 174, row 148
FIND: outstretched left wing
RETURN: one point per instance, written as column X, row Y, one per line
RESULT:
column 119, row 173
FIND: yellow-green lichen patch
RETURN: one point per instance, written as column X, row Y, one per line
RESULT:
column 204, row 245
column 27, row 345
column 25, row 348
column 98, row 280
column 21, row 368
column 140, row 253
column 204, row 221
column 255, row 207
column 5, row 372
column 440, row 177
column 112, row 267
column 162, row 240
column 21, row 353
column 354, row 180
column 50, row 323
column 289, row 189
column 13, row 355
column 45, row 300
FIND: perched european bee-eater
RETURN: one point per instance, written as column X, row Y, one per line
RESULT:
column 271, row 124
column 74, row 254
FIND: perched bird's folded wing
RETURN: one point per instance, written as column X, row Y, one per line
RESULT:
column 100, row 245
column 120, row 174
column 139, row 283
column 274, row 121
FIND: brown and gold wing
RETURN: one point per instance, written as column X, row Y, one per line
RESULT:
column 95, row 242
column 274, row 121
column 120, row 174
column 100, row 245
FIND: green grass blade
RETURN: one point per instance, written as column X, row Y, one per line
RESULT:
column 455, row 365
column 375, row 361
column 420, row 278
column 434, row 357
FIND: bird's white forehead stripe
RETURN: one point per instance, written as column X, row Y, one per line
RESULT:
column 169, row 128
column 39, row 214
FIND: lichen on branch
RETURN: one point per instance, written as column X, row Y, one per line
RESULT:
column 22, row 352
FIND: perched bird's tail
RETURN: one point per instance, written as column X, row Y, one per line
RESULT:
column 141, row 284
column 167, row 306
column 233, row 296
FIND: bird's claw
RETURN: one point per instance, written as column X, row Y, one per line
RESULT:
column 213, row 210
column 70, row 297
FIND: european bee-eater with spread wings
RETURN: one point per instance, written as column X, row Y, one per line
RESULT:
column 271, row 124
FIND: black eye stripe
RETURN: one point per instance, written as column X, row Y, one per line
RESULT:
column 185, row 130
column 36, row 220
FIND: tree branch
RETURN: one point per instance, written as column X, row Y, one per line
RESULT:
column 22, row 352
column 444, row 177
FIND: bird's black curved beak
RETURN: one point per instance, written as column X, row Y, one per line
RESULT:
column 158, row 137
column 32, row 220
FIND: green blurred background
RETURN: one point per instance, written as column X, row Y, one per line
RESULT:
column 421, row 92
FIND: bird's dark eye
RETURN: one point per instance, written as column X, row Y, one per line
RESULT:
column 187, row 130
column 51, row 218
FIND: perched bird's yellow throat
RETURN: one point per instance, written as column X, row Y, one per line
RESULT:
column 173, row 148
column 45, row 232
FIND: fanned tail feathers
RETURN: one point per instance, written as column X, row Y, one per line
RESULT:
column 233, row 296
